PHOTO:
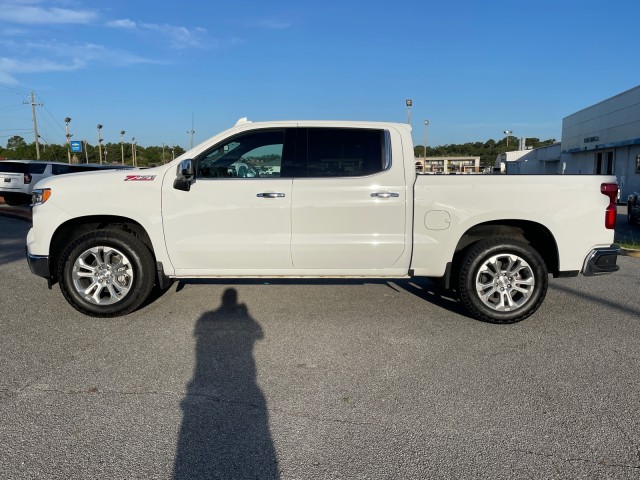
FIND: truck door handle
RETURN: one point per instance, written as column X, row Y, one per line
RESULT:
column 385, row 194
column 270, row 195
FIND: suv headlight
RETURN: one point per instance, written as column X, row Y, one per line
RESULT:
column 39, row 196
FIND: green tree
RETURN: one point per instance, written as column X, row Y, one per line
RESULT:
column 15, row 143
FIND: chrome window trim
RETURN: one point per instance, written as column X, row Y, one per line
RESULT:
column 387, row 150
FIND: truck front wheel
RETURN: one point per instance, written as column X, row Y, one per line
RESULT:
column 106, row 273
column 502, row 280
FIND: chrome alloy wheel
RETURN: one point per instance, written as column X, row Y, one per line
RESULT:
column 102, row 275
column 505, row 282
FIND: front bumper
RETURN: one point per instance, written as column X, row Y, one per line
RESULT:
column 39, row 265
column 601, row 261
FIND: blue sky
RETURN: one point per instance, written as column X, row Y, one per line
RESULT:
column 472, row 68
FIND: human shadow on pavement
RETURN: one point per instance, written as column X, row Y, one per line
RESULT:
column 422, row 288
column 225, row 426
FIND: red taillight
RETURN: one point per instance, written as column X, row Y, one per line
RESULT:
column 611, row 191
column 27, row 178
column 610, row 216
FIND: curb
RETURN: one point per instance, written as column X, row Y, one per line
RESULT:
column 628, row 252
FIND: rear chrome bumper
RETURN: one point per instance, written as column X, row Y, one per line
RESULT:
column 601, row 261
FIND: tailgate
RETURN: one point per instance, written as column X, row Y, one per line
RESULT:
column 11, row 181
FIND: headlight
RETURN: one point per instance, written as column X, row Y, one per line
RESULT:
column 39, row 196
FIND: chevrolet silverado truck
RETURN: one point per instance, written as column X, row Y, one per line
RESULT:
column 318, row 199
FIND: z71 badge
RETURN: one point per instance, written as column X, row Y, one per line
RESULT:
column 139, row 178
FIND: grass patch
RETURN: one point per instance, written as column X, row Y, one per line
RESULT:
column 633, row 245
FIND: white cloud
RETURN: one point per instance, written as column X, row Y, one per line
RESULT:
column 122, row 23
column 31, row 13
column 181, row 37
column 178, row 37
column 83, row 54
column 41, row 57
column 6, row 78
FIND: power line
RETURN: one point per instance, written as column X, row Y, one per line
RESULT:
column 10, row 107
column 14, row 89
column 57, row 125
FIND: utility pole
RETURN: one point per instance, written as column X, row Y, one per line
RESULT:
column 163, row 153
column 35, row 123
column 190, row 133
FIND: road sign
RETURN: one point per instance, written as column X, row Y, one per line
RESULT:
column 76, row 146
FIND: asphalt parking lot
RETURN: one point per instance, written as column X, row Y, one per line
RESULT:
column 327, row 379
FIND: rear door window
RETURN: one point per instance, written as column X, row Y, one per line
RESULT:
column 341, row 152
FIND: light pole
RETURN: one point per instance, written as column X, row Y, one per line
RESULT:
column 133, row 151
column 409, row 105
column 67, row 120
column 190, row 133
column 426, row 124
column 99, row 126
column 122, row 132
column 507, row 133
column 86, row 152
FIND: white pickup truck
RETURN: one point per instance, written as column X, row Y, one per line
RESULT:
column 318, row 199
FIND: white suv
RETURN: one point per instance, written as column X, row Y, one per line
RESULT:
column 18, row 177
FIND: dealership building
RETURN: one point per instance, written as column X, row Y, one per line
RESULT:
column 601, row 139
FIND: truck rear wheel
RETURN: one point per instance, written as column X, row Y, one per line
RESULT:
column 106, row 273
column 502, row 280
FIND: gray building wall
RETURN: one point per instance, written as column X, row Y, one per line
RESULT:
column 543, row 160
column 605, row 138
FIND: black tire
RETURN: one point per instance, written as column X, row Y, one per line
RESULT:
column 630, row 219
column 502, row 280
column 106, row 273
column 13, row 200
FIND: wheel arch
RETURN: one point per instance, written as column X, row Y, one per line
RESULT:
column 78, row 226
column 534, row 234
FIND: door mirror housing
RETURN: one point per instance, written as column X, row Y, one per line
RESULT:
column 185, row 176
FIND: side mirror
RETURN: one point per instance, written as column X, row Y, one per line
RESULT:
column 185, row 176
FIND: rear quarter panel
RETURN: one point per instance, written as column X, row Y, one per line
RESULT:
column 570, row 207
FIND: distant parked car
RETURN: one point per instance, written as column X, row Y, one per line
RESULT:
column 633, row 208
column 18, row 177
